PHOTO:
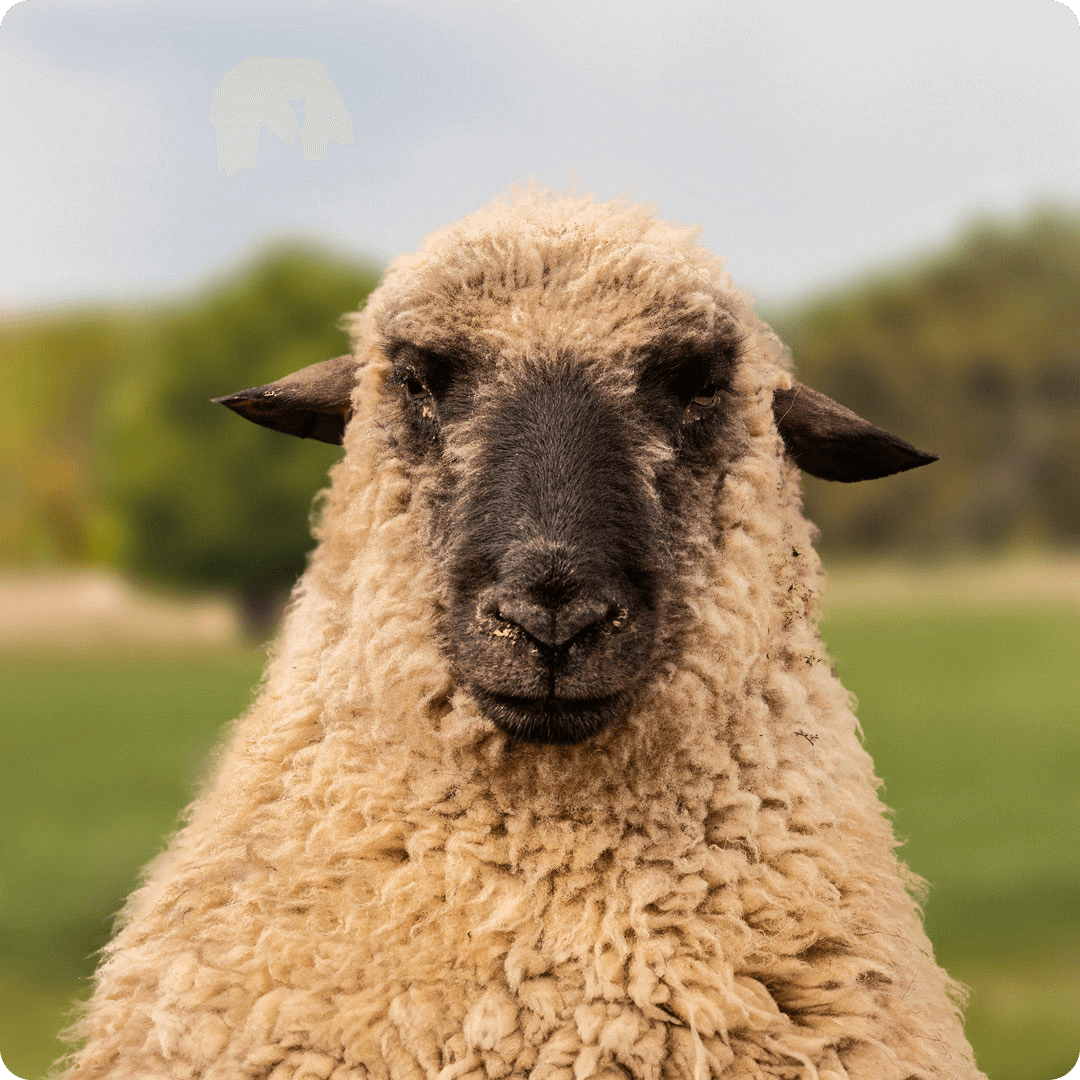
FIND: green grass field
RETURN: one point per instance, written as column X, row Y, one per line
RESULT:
column 970, row 715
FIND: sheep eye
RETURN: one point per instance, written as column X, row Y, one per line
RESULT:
column 691, row 380
column 415, row 389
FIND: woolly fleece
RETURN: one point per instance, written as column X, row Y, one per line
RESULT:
column 378, row 884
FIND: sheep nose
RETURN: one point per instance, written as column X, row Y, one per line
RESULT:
column 557, row 625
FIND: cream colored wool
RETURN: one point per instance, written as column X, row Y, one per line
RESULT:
column 378, row 884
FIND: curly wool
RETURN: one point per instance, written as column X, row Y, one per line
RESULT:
column 378, row 884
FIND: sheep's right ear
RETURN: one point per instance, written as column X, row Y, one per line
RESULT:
column 312, row 403
column 829, row 441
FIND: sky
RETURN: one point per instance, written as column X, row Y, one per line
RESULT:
column 813, row 142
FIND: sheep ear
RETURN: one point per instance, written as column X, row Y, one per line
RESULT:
column 313, row 403
column 829, row 441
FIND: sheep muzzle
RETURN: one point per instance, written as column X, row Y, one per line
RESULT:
column 553, row 570
column 552, row 657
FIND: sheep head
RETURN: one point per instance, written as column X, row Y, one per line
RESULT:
column 563, row 420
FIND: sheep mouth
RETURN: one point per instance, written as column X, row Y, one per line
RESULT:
column 552, row 720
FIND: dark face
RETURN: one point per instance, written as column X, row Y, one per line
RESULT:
column 555, row 497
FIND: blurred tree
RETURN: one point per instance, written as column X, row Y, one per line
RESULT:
column 56, row 371
column 206, row 499
column 975, row 355
column 112, row 451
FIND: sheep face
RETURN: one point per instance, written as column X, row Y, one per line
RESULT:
column 556, row 489
column 568, row 393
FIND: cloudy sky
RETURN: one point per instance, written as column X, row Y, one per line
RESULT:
column 812, row 141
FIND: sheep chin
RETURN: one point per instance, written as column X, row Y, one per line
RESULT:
column 552, row 721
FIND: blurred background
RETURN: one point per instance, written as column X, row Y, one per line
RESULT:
column 899, row 187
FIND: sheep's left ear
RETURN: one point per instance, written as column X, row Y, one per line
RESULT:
column 829, row 441
column 313, row 403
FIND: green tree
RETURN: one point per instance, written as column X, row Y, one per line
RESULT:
column 56, row 371
column 114, row 453
column 975, row 355
column 206, row 499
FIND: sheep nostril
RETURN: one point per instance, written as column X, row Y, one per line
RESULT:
column 616, row 615
column 556, row 627
column 538, row 622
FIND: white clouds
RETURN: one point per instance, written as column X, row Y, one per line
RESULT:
column 77, row 187
column 807, row 137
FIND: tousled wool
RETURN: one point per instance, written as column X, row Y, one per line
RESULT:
column 376, row 883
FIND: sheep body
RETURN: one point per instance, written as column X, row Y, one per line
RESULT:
column 378, row 884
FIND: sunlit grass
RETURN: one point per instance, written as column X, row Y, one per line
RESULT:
column 100, row 755
column 972, row 722
column 970, row 715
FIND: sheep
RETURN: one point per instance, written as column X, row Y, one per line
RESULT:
column 549, row 775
